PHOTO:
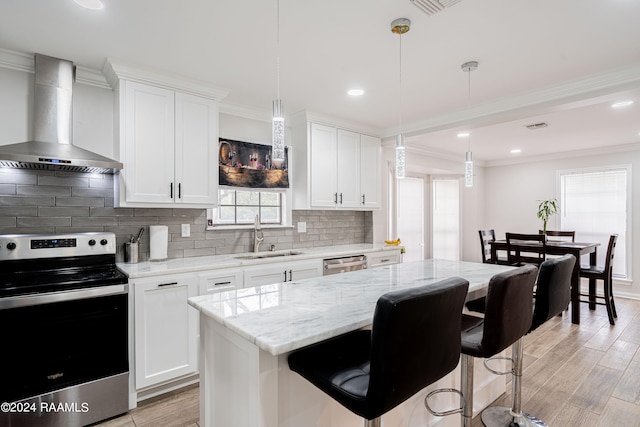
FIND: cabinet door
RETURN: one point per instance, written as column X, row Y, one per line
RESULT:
column 149, row 143
column 370, row 172
column 265, row 275
column 165, row 329
column 323, row 166
column 196, row 128
column 281, row 272
column 305, row 270
column 348, row 165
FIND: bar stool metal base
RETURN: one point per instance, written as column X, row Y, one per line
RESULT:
column 376, row 422
column 500, row 416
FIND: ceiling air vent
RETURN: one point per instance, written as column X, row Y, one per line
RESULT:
column 431, row 7
column 535, row 126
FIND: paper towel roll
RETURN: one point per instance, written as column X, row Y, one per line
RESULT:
column 158, row 241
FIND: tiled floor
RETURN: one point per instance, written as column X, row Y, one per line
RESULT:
column 586, row 375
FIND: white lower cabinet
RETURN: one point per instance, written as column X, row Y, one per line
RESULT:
column 166, row 329
column 282, row 272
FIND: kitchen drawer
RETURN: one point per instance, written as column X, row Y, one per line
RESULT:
column 214, row 282
column 384, row 258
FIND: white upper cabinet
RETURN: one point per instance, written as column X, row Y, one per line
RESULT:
column 168, row 139
column 370, row 171
column 335, row 168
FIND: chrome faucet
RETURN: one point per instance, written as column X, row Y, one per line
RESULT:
column 258, row 235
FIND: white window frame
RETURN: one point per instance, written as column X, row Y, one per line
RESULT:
column 285, row 212
column 629, row 214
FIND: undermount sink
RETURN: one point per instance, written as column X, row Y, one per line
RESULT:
column 260, row 255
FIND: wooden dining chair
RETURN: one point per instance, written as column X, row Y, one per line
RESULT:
column 486, row 237
column 526, row 248
column 564, row 235
column 605, row 274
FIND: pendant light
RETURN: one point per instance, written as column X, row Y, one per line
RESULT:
column 468, row 67
column 400, row 26
column 277, row 136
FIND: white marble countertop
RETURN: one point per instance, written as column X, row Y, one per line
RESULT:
column 283, row 317
column 191, row 264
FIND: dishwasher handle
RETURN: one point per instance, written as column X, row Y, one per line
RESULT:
column 330, row 266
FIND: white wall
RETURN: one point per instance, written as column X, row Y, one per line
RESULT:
column 513, row 193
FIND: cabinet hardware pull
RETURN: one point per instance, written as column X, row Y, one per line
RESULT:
column 385, row 260
column 179, row 190
column 363, row 199
column 290, row 275
column 335, row 198
column 171, row 190
column 285, row 275
column 221, row 283
column 340, row 198
column 167, row 284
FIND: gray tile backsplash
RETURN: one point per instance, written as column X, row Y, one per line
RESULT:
column 40, row 201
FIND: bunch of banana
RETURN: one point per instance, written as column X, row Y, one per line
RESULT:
column 395, row 242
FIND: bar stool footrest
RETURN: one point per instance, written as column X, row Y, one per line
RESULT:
column 444, row 413
column 500, row 416
column 493, row 371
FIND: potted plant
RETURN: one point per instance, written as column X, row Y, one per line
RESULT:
column 546, row 208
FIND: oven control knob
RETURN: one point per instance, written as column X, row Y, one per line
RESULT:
column 92, row 242
column 11, row 246
column 103, row 242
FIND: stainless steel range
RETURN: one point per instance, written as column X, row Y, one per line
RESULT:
column 63, row 320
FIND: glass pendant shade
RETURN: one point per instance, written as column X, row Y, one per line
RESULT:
column 468, row 170
column 400, row 156
column 277, row 139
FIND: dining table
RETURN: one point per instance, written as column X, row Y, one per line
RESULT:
column 557, row 247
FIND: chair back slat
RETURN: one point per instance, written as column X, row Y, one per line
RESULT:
column 526, row 248
column 487, row 236
column 566, row 235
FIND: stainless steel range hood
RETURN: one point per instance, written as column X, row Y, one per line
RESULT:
column 53, row 115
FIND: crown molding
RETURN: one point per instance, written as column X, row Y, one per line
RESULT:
column 530, row 102
column 598, row 151
column 247, row 112
column 325, row 119
column 115, row 70
column 25, row 62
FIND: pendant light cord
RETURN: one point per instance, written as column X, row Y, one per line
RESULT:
column 468, row 106
column 278, row 50
column 400, row 81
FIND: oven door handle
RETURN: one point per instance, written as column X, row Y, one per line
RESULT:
column 52, row 297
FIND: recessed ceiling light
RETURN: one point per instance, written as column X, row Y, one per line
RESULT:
column 464, row 134
column 355, row 92
column 516, row 151
column 90, row 4
column 621, row 104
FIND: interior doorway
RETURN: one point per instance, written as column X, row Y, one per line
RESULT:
column 410, row 216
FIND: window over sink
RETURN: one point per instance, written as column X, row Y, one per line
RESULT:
column 237, row 208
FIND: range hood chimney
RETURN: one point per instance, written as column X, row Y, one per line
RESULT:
column 51, row 148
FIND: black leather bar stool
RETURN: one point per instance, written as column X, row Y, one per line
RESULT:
column 414, row 341
column 553, row 294
column 507, row 317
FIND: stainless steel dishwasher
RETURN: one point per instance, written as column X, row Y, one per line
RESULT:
column 344, row 264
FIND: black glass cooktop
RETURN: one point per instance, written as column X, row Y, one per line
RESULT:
column 58, row 274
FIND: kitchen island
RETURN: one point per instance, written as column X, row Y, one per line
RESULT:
column 247, row 334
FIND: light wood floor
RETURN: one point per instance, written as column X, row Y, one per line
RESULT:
column 586, row 375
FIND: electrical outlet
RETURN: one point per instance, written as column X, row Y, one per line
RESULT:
column 186, row 230
column 302, row 227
